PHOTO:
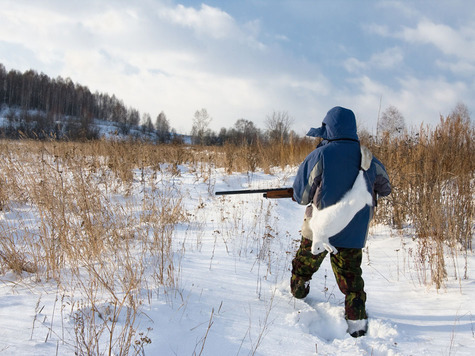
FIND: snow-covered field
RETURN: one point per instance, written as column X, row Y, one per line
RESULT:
column 231, row 293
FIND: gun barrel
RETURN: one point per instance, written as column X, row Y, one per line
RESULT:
column 244, row 191
column 268, row 193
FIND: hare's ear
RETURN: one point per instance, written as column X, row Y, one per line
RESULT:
column 330, row 248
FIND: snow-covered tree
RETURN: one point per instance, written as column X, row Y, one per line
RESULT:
column 201, row 122
column 391, row 123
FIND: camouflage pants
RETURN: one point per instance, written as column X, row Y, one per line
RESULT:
column 346, row 265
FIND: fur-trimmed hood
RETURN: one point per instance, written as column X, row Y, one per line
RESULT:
column 366, row 158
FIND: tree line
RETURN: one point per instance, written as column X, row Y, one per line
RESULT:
column 37, row 105
column 243, row 132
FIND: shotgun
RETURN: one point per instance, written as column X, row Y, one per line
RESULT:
column 274, row 193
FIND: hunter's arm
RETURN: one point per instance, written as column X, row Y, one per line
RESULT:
column 382, row 186
column 305, row 182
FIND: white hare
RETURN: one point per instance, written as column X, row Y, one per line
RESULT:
column 331, row 220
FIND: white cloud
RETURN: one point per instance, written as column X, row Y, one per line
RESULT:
column 207, row 20
column 117, row 50
column 32, row 27
column 353, row 65
column 282, row 38
column 213, row 23
column 459, row 43
column 419, row 100
column 462, row 68
column 158, row 55
column 387, row 59
column 401, row 7
column 110, row 22
column 377, row 29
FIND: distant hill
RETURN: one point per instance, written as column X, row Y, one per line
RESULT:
column 35, row 105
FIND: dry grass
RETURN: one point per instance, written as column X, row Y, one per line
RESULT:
column 89, row 239
column 92, row 240
column 432, row 173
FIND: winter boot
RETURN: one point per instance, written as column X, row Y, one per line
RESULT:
column 299, row 287
column 357, row 328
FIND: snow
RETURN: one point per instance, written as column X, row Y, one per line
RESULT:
column 231, row 295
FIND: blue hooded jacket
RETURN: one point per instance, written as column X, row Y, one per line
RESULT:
column 330, row 170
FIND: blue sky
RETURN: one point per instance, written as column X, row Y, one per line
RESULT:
column 250, row 58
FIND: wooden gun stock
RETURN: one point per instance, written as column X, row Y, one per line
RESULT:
column 279, row 193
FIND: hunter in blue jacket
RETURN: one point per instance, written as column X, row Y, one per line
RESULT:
column 323, row 179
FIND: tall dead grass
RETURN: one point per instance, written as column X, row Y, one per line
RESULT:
column 66, row 217
column 432, row 173
column 89, row 233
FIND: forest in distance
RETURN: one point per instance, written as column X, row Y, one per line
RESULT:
column 37, row 106
column 34, row 105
